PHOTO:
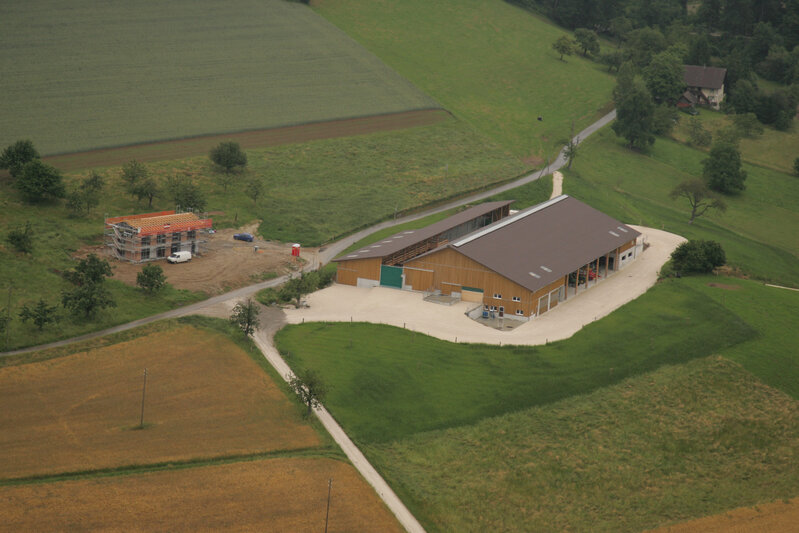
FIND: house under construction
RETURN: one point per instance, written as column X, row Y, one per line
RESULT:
column 153, row 236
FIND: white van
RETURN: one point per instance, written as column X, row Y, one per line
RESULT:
column 179, row 257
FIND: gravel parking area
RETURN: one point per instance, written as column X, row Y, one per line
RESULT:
column 342, row 303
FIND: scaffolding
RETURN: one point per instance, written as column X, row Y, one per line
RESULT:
column 154, row 236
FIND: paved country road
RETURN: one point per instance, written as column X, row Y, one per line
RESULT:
column 264, row 341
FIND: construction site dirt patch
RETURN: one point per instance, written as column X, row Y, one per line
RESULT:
column 287, row 494
column 725, row 287
column 180, row 148
column 776, row 516
column 205, row 397
column 225, row 265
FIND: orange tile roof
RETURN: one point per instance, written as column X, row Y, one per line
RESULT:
column 162, row 222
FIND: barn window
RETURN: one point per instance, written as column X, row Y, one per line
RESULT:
column 497, row 296
column 520, row 312
column 517, row 299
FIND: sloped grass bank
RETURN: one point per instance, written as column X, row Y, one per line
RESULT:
column 681, row 442
column 487, row 61
column 389, row 383
column 757, row 231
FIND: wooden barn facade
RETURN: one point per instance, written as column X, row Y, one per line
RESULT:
column 519, row 266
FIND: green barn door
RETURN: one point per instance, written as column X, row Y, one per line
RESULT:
column 391, row 276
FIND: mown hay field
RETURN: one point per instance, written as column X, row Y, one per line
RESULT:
column 84, row 75
column 283, row 494
column 681, row 442
column 205, row 398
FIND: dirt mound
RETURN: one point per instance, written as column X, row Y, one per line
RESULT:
column 226, row 264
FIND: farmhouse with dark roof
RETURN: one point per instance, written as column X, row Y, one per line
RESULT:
column 705, row 86
column 519, row 265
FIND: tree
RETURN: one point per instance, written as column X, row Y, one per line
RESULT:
column 186, row 193
column 146, row 188
column 748, row 125
column 87, row 299
column 563, row 46
column 41, row 314
column 612, row 59
column 15, row 157
column 5, row 319
column 87, row 196
column 38, row 181
column 634, row 116
column 664, row 119
column 699, row 197
column 91, row 270
column 644, row 43
column 151, row 278
column 796, row 166
column 295, row 288
column 743, row 97
column 664, row 78
column 254, row 189
column 21, row 238
column 132, row 173
column 310, row 388
column 697, row 256
column 587, row 40
column 722, row 169
column 697, row 134
column 570, row 151
column 228, row 155
column 699, row 52
column 89, row 294
column 245, row 316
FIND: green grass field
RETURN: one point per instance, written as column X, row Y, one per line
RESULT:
column 773, row 149
column 682, row 442
column 488, row 62
column 426, row 384
column 756, row 231
column 568, row 442
column 88, row 75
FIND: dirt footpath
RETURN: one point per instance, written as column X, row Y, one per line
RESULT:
column 225, row 265
column 407, row 309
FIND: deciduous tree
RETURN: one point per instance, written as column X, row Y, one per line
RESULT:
column 722, row 169
column 664, row 78
column 564, row 46
column 228, row 156
column 587, row 40
column 146, row 188
column 697, row 256
column 151, row 278
column 89, row 293
column 21, row 238
column 186, row 193
column 245, row 316
column 697, row 134
column 699, row 197
column 41, row 314
column 38, row 181
column 634, row 116
column 310, row 388
column 14, row 157
column 132, row 173
column 254, row 189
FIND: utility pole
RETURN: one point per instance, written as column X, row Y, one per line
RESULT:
column 327, row 515
column 143, row 391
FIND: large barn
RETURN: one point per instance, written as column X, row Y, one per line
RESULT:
column 518, row 265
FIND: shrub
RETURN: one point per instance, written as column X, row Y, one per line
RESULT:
column 697, row 256
column 21, row 238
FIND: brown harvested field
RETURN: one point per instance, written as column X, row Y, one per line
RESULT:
column 194, row 146
column 205, row 398
column 227, row 264
column 286, row 494
column 774, row 517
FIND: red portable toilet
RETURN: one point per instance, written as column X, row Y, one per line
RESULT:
column 295, row 250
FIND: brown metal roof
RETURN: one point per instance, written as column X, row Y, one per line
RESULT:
column 405, row 239
column 704, row 77
column 545, row 242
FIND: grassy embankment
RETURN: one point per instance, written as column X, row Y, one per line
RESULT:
column 773, row 149
column 756, row 231
column 488, row 62
column 376, row 174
